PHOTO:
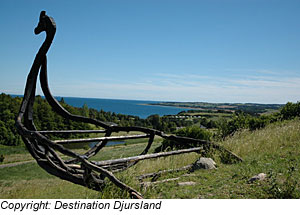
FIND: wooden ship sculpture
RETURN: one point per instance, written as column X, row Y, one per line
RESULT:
column 79, row 168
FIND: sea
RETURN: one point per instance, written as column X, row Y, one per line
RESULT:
column 138, row 108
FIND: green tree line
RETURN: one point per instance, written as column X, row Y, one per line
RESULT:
column 46, row 119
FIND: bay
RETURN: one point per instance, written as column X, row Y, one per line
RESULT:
column 128, row 107
column 140, row 108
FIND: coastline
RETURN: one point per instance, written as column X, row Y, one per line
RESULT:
column 232, row 107
column 168, row 106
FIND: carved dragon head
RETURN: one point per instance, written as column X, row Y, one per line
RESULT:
column 46, row 23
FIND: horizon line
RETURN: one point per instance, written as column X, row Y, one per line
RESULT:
column 80, row 97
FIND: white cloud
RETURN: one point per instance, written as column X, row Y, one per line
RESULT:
column 188, row 87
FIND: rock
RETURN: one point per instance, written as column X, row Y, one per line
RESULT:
column 188, row 175
column 186, row 183
column 203, row 163
column 260, row 177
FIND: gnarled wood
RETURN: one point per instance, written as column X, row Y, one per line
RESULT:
column 155, row 175
column 144, row 157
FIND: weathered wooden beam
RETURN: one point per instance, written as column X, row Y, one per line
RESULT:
column 147, row 184
column 98, row 139
column 116, row 181
column 72, row 131
column 107, row 163
column 159, row 173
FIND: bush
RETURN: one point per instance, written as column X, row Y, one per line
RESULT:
column 290, row 111
column 1, row 158
column 7, row 135
column 192, row 132
column 242, row 121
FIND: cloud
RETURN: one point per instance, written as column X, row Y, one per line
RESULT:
column 258, row 88
column 269, row 82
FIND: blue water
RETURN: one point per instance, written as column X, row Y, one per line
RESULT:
column 127, row 107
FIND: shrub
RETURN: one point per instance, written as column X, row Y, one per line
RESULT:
column 7, row 135
column 1, row 158
column 242, row 121
column 290, row 111
column 192, row 132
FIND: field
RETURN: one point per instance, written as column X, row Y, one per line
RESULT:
column 274, row 150
column 227, row 107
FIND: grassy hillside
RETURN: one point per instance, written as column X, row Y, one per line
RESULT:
column 274, row 150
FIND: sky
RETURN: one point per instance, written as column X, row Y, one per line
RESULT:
column 161, row 50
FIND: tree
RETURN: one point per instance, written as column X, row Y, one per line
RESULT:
column 7, row 137
column 290, row 110
column 85, row 110
column 155, row 121
column 192, row 132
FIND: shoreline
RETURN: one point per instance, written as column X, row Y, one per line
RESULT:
column 172, row 106
column 175, row 106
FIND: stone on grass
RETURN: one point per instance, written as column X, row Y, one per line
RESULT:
column 259, row 177
column 186, row 183
column 203, row 163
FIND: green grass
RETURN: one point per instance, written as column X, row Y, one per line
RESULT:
column 208, row 114
column 8, row 150
column 14, row 154
column 52, row 188
column 274, row 150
